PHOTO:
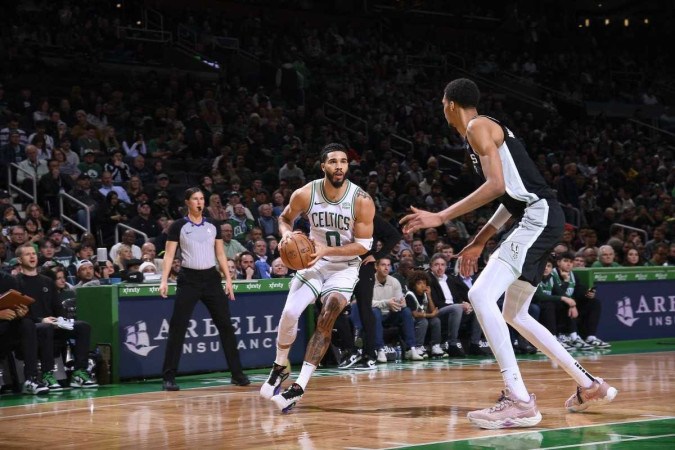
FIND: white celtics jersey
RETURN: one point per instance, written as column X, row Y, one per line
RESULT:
column 332, row 223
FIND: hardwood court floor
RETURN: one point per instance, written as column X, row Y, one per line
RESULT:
column 394, row 407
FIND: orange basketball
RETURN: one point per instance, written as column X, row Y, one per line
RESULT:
column 295, row 251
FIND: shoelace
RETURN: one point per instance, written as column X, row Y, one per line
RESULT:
column 502, row 403
column 579, row 398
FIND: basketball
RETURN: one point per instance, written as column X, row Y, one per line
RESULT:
column 295, row 251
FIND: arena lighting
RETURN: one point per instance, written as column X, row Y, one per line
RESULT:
column 587, row 22
column 607, row 21
column 646, row 21
column 626, row 22
column 118, row 6
column 138, row 22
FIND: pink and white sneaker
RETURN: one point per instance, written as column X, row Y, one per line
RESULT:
column 599, row 393
column 507, row 413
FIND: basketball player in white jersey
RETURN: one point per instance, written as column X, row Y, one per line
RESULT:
column 516, row 266
column 341, row 226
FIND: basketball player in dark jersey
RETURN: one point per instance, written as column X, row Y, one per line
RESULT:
column 516, row 266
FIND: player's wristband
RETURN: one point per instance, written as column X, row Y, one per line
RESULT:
column 366, row 243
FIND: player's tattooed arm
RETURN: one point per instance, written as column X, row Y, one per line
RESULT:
column 363, row 194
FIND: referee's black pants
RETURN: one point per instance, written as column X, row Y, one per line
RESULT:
column 192, row 286
column 363, row 291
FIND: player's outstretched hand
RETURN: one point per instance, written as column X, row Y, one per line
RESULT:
column 467, row 259
column 420, row 219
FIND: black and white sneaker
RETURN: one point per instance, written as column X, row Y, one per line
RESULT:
column 349, row 360
column 366, row 364
column 482, row 348
column 456, row 350
column 35, row 387
column 272, row 386
column 287, row 399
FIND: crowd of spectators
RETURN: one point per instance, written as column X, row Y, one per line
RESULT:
column 126, row 147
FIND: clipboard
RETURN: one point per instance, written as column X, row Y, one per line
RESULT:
column 13, row 298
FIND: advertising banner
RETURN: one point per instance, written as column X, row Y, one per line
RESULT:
column 144, row 326
column 636, row 310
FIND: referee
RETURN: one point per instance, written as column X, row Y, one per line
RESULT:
column 201, row 245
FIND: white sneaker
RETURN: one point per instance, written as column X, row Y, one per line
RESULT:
column 272, row 386
column 381, row 356
column 422, row 350
column 437, row 351
column 597, row 343
column 413, row 354
column 287, row 399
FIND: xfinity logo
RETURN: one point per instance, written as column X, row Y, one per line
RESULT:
column 134, row 290
column 252, row 286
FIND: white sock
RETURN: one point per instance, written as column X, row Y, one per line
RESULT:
column 282, row 355
column 574, row 336
column 514, row 381
column 305, row 374
column 590, row 338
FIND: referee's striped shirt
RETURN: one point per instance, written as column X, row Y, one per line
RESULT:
column 196, row 242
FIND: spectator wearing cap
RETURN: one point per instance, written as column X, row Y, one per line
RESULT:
column 162, row 182
column 162, row 206
column 147, row 267
column 84, row 273
column 241, row 224
column 261, row 197
column 83, row 251
column 90, row 197
column 144, row 221
column 62, row 253
column 118, row 169
column 233, row 199
column 107, row 186
column 128, row 238
column 89, row 165
column 131, row 272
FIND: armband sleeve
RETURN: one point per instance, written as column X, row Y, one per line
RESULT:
column 499, row 218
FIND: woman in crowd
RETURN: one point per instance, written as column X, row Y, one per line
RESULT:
column 216, row 210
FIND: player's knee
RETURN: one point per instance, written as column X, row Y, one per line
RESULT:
column 290, row 315
column 474, row 295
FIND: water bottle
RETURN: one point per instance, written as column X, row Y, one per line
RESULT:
column 398, row 354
